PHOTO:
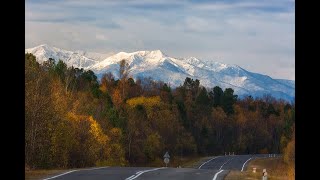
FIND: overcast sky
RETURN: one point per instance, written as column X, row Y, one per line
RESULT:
column 258, row 35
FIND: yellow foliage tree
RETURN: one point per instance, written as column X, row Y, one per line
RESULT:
column 145, row 101
column 289, row 157
column 117, row 98
column 117, row 153
column 90, row 140
column 152, row 146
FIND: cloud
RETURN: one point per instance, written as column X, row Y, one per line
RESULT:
column 270, row 5
column 257, row 35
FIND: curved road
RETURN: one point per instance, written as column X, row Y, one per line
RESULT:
column 215, row 168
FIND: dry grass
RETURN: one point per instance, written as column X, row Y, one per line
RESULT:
column 193, row 162
column 276, row 169
column 184, row 162
column 41, row 174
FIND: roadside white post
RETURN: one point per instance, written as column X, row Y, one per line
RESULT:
column 229, row 153
column 254, row 170
column 233, row 153
column 166, row 158
column 264, row 174
column 225, row 153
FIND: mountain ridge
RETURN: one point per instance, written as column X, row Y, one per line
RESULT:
column 160, row 66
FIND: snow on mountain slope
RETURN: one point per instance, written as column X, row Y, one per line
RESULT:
column 289, row 83
column 76, row 59
column 159, row 66
column 92, row 55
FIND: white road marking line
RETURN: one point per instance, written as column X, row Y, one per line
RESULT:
column 216, row 175
column 130, row 177
column 207, row 162
column 93, row 168
column 225, row 163
column 141, row 172
column 60, row 174
column 73, row 171
column 245, row 164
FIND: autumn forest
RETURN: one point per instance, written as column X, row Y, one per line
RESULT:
column 73, row 119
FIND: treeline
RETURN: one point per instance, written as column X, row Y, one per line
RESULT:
column 74, row 120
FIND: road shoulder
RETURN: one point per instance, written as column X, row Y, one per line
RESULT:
column 41, row 174
column 276, row 169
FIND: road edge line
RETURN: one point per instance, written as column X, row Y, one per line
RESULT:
column 225, row 163
column 93, row 168
column 141, row 172
column 216, row 175
column 130, row 177
column 207, row 161
column 73, row 171
column 245, row 163
column 60, row 175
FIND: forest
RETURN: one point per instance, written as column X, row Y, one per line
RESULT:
column 73, row 119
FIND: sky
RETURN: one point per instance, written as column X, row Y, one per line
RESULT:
column 258, row 35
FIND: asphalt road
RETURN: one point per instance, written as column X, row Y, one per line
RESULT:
column 215, row 168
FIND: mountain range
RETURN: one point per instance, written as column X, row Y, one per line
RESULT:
column 173, row 71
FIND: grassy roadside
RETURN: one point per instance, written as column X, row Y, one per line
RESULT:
column 194, row 162
column 276, row 170
column 41, row 174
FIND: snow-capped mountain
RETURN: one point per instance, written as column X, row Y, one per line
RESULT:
column 173, row 71
column 79, row 59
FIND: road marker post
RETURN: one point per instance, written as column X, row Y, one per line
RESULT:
column 264, row 174
column 166, row 158
column 254, row 170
